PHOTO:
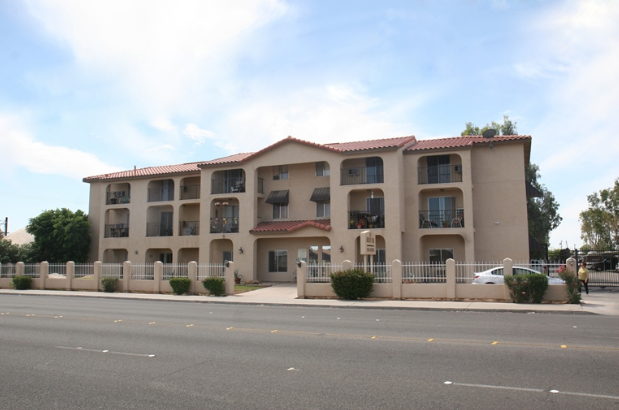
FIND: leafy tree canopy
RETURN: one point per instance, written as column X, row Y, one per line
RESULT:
column 599, row 223
column 61, row 235
column 507, row 128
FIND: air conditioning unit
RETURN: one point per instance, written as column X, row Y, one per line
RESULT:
column 353, row 171
column 458, row 168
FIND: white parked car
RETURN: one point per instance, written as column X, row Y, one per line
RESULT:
column 495, row 276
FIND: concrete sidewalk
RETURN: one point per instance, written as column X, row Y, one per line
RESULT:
column 600, row 301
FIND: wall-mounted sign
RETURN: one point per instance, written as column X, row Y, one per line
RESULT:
column 367, row 243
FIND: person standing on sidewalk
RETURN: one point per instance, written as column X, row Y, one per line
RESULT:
column 583, row 277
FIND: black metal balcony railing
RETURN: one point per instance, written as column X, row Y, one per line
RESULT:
column 440, row 174
column 224, row 225
column 190, row 192
column 156, row 229
column 451, row 218
column 116, row 231
column 362, row 175
column 227, row 185
column 189, row 228
column 365, row 220
column 117, row 197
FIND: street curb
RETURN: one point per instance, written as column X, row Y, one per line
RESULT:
column 125, row 296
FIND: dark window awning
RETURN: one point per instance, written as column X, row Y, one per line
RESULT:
column 321, row 195
column 278, row 197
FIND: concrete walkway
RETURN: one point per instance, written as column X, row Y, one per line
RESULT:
column 600, row 301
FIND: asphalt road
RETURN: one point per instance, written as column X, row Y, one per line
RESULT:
column 80, row 353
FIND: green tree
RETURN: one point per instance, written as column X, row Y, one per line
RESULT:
column 599, row 223
column 9, row 253
column 507, row 128
column 543, row 215
column 542, row 212
column 61, row 235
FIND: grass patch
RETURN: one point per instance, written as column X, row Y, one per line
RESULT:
column 246, row 288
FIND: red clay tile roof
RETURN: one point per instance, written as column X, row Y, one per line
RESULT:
column 149, row 171
column 464, row 141
column 228, row 160
column 372, row 144
column 290, row 226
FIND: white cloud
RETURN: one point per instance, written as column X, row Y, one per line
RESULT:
column 329, row 114
column 199, row 135
column 19, row 149
column 164, row 125
column 161, row 51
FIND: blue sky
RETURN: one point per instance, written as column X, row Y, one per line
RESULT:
column 90, row 87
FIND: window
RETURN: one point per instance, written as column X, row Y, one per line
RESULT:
column 322, row 169
column 374, row 170
column 439, row 169
column 375, row 205
column 278, row 261
column 441, row 255
column 323, row 209
column 280, row 211
column 280, row 172
column 442, row 209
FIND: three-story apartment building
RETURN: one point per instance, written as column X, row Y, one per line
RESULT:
column 427, row 200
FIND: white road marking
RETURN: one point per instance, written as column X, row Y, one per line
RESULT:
column 488, row 386
column 104, row 351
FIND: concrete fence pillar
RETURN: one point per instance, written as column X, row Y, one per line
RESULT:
column 346, row 265
column 572, row 265
column 158, row 277
column 301, row 279
column 192, row 274
column 70, row 274
column 396, row 278
column 43, row 273
column 450, row 278
column 229, row 278
column 126, row 276
column 98, row 268
column 508, row 270
column 20, row 268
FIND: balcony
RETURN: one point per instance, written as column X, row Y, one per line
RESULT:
column 227, row 185
column 157, row 229
column 365, row 220
column 440, row 174
column 190, row 192
column 442, row 218
column 117, row 197
column 225, row 225
column 189, row 228
column 362, row 175
column 116, row 231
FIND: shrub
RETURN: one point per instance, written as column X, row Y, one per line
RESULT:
column 180, row 285
column 572, row 285
column 352, row 284
column 527, row 288
column 21, row 282
column 109, row 284
column 215, row 286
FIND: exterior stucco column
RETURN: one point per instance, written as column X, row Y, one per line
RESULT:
column 70, row 274
column 450, row 278
column 44, row 272
column 126, row 276
column 158, row 276
column 301, row 279
column 192, row 274
column 508, row 270
column 98, row 267
column 229, row 279
column 396, row 277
